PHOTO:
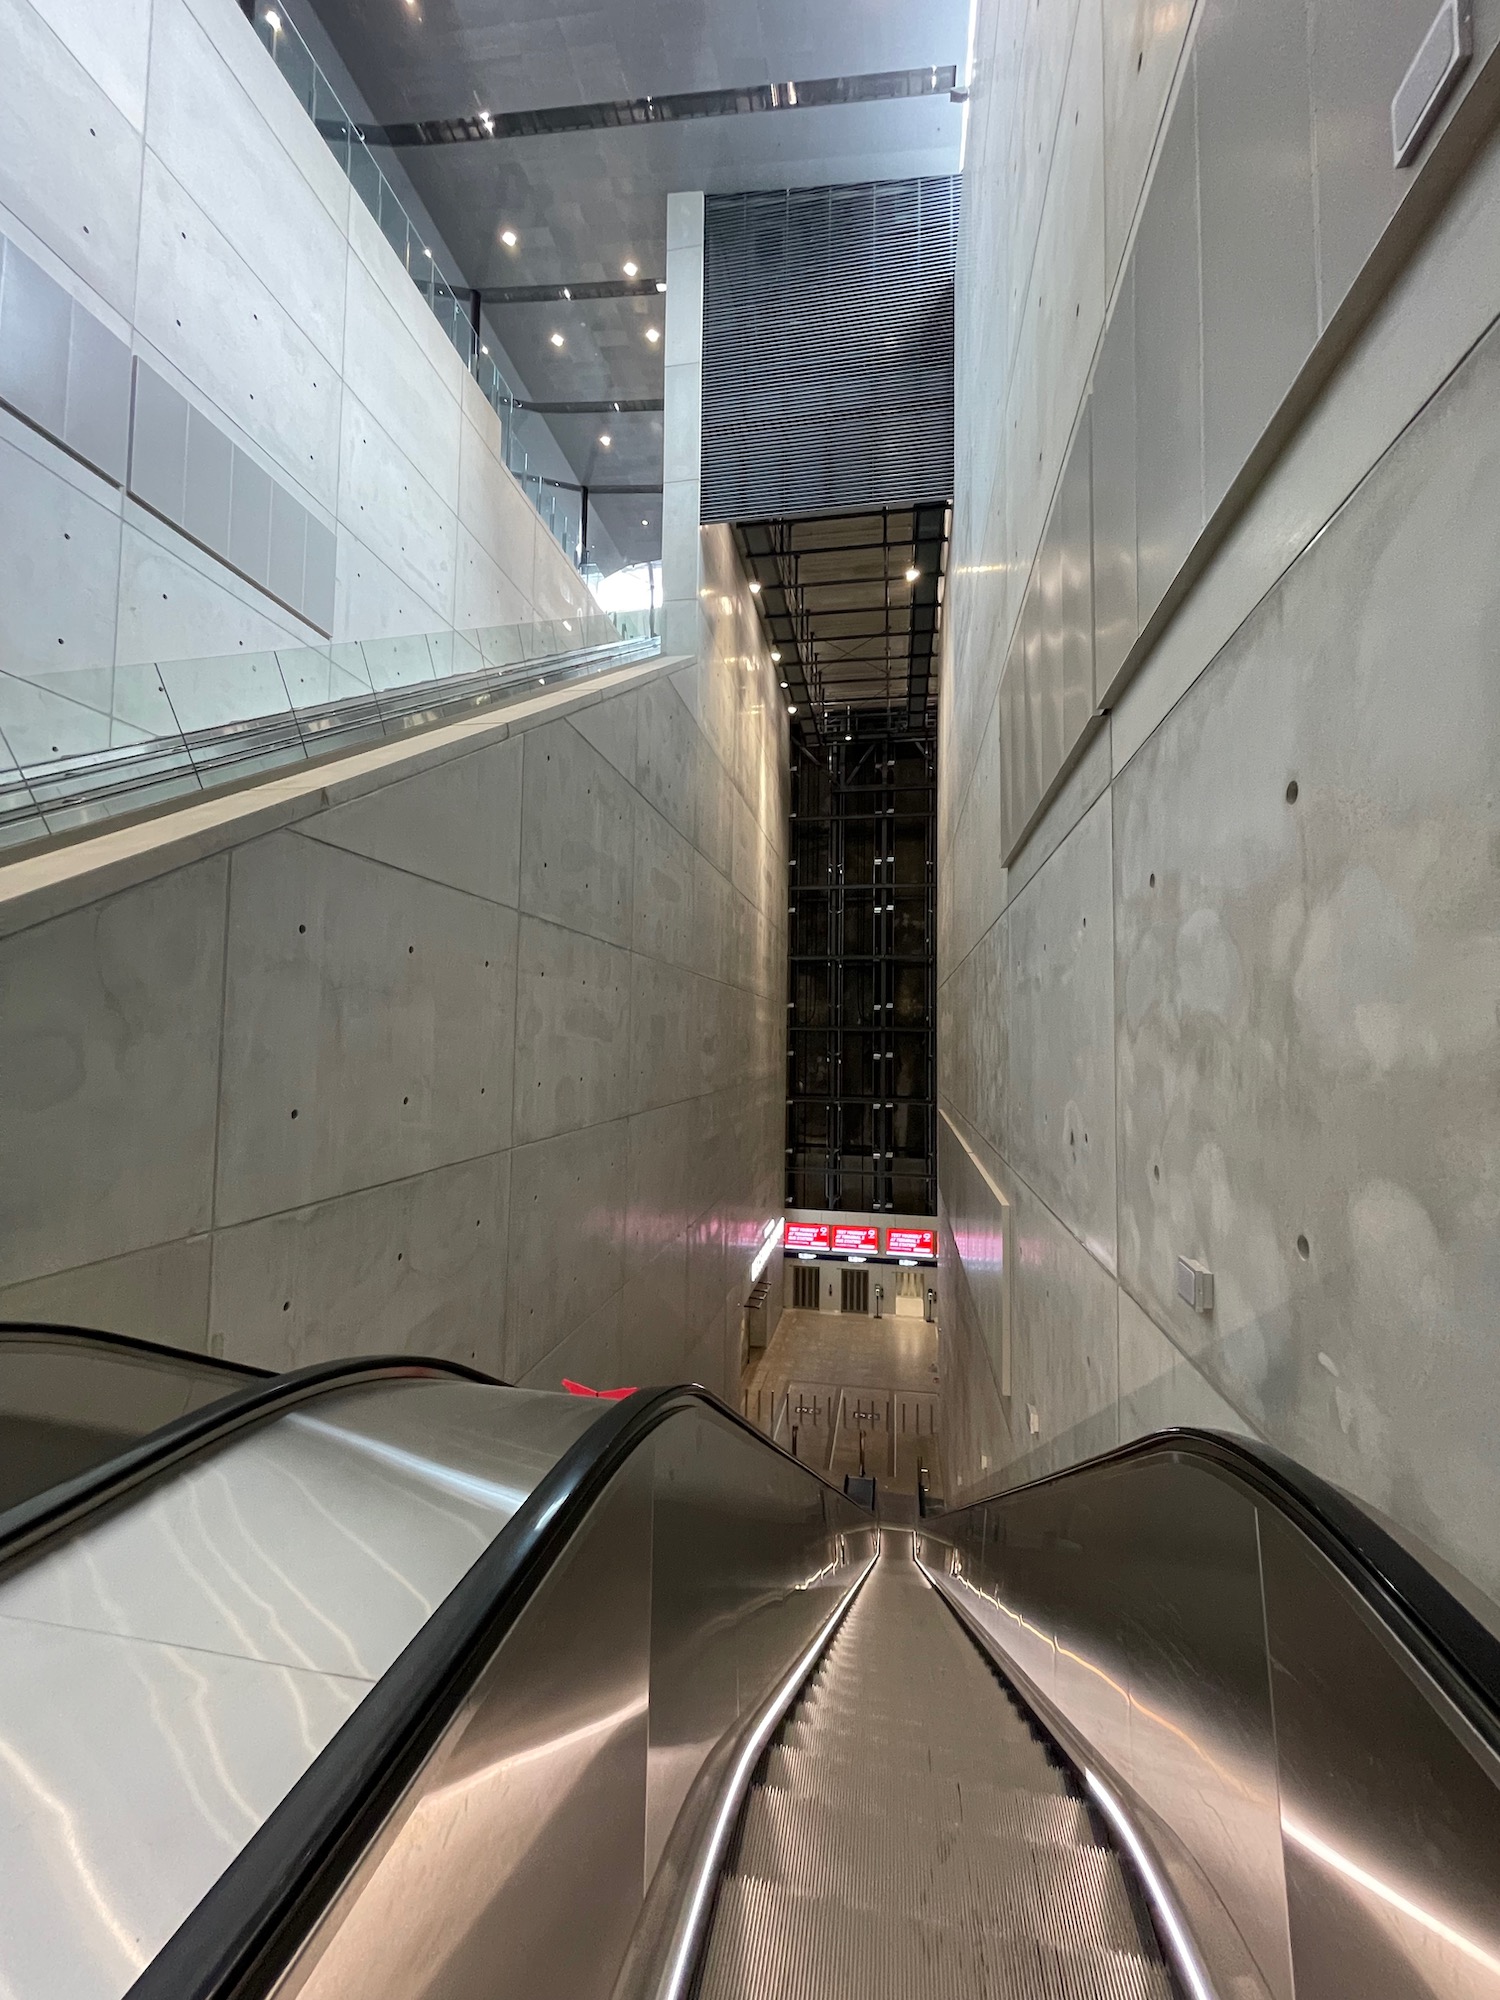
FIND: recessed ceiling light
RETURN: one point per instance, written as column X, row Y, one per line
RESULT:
column 425, row 251
column 486, row 121
column 605, row 439
column 273, row 21
column 645, row 524
column 912, row 574
column 508, row 238
column 482, row 348
column 631, row 267
column 661, row 284
column 556, row 339
column 775, row 658
column 791, row 708
column 786, row 684
column 755, row 586
column 653, row 334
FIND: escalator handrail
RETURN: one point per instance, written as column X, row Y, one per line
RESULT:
column 1454, row 1646
column 131, row 1343
column 246, row 1930
column 62, row 1506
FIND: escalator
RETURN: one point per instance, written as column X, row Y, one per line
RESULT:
column 383, row 1679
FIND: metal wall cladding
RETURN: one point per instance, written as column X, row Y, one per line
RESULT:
column 1283, row 116
column 184, row 468
column 828, row 348
column 60, row 367
column 63, row 370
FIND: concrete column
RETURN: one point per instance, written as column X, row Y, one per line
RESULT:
column 682, row 425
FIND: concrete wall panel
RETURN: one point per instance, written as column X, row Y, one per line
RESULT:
column 663, row 911
column 1061, row 1009
column 398, row 513
column 111, row 43
column 70, row 168
column 1307, row 993
column 416, row 1266
column 178, row 604
column 59, row 573
column 459, row 824
column 576, row 835
column 668, row 1009
column 567, row 1252
column 160, row 1293
column 573, row 1031
column 111, row 1056
column 374, row 1006
column 209, row 135
column 215, row 320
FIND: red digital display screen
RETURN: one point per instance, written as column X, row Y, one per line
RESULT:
column 911, row 1243
column 807, row 1235
column 859, row 1237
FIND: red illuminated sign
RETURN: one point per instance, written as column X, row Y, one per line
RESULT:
column 807, row 1235
column 911, row 1243
column 861, row 1238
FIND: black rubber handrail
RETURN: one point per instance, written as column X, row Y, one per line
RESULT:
column 1454, row 1646
column 244, row 1933
column 131, row 1343
column 61, row 1507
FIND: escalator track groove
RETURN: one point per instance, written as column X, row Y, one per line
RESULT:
column 910, row 1832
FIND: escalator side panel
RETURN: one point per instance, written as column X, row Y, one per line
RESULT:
column 1327, row 1819
column 1143, row 1623
column 1392, row 1860
column 739, row 1534
column 69, row 1401
column 519, row 1844
column 174, row 1664
column 516, row 1863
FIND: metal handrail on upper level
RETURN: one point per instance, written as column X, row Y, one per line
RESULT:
column 186, row 727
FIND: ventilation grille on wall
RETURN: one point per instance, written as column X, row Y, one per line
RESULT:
column 828, row 348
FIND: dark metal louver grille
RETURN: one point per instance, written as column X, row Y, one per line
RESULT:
column 828, row 349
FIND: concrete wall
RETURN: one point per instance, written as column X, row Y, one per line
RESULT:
column 1234, row 997
column 155, row 165
column 470, row 1045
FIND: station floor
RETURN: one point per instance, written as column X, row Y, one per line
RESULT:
column 850, row 1349
column 864, row 1394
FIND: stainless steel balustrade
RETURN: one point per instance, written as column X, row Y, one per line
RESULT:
column 517, row 1860
column 439, row 1689
column 174, row 1665
column 186, row 726
column 71, row 1398
column 1313, row 1772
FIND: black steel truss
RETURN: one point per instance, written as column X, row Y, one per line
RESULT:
column 861, row 1008
column 854, row 628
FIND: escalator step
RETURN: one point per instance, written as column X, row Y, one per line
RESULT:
column 1042, row 1818
column 957, row 1878
column 773, row 1945
column 914, row 1756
